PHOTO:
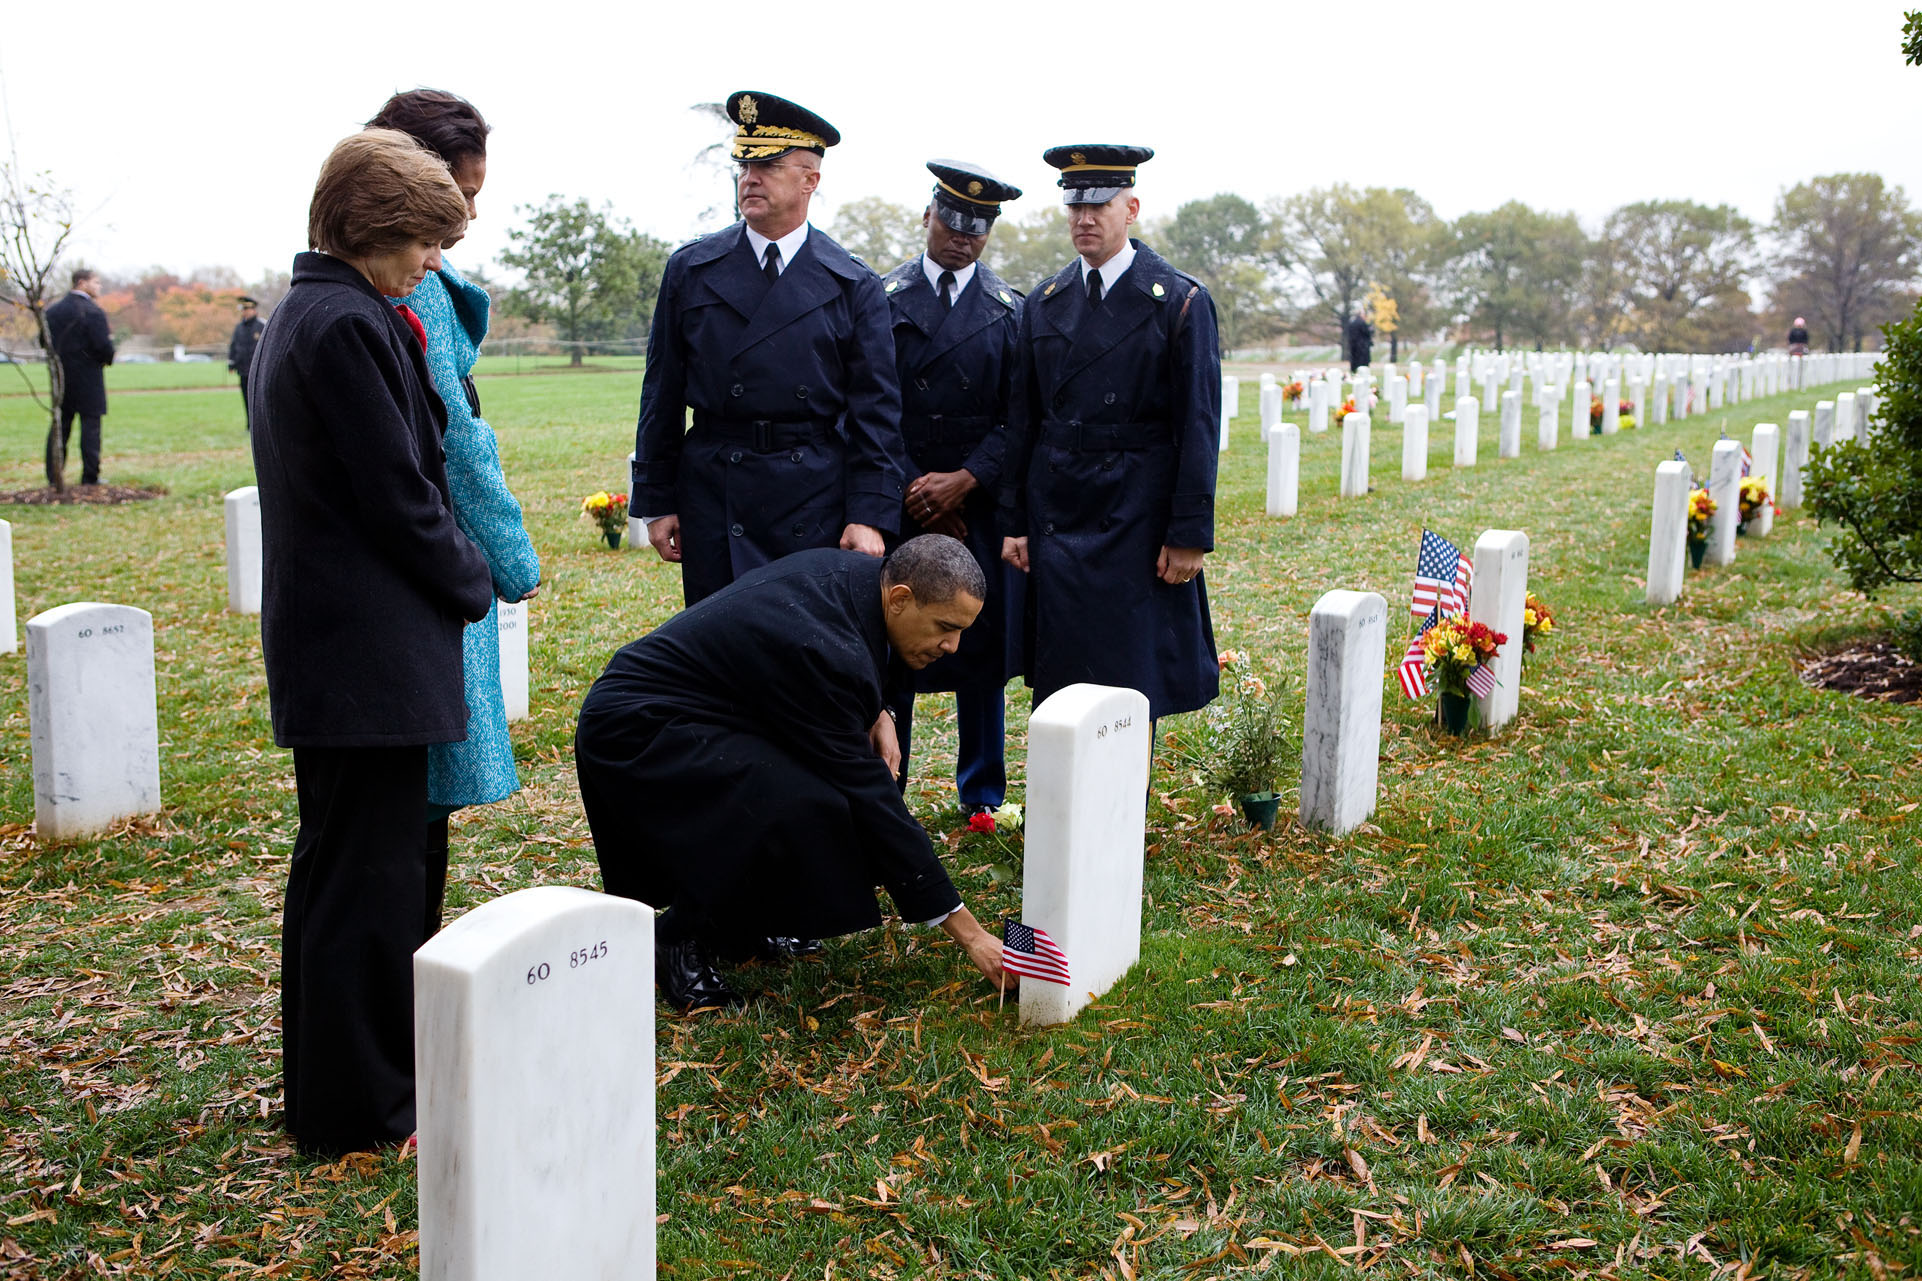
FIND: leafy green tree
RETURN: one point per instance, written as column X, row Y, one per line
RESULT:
column 586, row 272
column 879, row 232
column 1683, row 265
column 1872, row 490
column 1336, row 241
column 1218, row 240
column 1849, row 246
column 1518, row 270
column 1027, row 250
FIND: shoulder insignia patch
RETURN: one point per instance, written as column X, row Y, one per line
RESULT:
column 1048, row 290
column 1005, row 299
column 892, row 285
column 1158, row 291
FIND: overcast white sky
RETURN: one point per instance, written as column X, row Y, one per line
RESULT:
column 195, row 137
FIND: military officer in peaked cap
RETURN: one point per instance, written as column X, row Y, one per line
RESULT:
column 954, row 329
column 1108, row 492
column 779, row 341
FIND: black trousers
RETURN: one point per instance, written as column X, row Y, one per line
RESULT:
column 245, row 408
column 89, row 446
column 361, row 896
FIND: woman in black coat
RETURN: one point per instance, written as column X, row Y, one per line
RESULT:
column 367, row 583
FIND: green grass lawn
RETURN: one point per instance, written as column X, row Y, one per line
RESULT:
column 1629, row 990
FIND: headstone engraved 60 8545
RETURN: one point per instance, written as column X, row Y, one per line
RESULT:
column 1081, row 874
column 534, row 1053
column 94, row 722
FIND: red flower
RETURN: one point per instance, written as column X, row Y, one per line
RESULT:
column 981, row 822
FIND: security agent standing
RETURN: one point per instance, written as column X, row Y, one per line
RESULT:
column 1107, row 498
column 83, row 343
column 240, row 348
column 954, row 330
column 778, row 340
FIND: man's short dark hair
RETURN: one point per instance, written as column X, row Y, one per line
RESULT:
column 445, row 123
column 936, row 569
column 81, row 275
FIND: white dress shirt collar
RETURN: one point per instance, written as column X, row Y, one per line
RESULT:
column 1110, row 270
column 934, row 269
column 789, row 244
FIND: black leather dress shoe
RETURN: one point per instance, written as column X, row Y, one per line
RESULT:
column 772, row 949
column 688, row 979
column 780, row 947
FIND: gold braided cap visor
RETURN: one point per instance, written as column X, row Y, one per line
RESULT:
column 973, row 200
column 768, row 141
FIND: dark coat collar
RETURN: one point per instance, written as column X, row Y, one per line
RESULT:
column 818, row 245
column 1148, row 285
column 985, row 301
column 314, row 266
column 821, row 271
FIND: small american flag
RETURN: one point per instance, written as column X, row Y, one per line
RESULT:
column 1414, row 663
column 1481, row 681
column 1442, row 575
column 1029, row 952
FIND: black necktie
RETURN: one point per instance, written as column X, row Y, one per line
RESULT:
column 771, row 263
column 1094, row 289
column 946, row 284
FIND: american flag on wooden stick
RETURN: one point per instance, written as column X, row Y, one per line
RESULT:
column 1442, row 576
column 1481, row 681
column 1414, row 663
column 1028, row 951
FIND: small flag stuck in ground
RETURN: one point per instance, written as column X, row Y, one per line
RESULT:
column 1481, row 681
column 1029, row 952
column 1414, row 663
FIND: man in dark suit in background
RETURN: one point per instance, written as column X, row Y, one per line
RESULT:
column 1361, row 340
column 84, row 346
column 240, row 348
column 954, row 329
column 778, row 340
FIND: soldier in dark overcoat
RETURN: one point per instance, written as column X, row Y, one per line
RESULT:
column 240, row 347
column 736, row 768
column 83, row 342
column 954, row 329
column 1109, row 490
column 778, row 340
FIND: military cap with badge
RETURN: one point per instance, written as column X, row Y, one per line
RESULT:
column 967, row 198
column 767, row 127
column 1093, row 173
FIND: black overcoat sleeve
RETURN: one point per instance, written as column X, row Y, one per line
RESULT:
column 662, row 427
column 877, row 462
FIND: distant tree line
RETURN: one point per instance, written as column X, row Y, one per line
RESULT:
column 1674, row 275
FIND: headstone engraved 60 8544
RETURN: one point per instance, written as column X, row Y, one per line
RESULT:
column 1081, row 874
column 534, row 1053
column 94, row 723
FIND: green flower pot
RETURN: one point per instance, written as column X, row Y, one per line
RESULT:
column 1454, row 712
column 1260, row 808
column 1697, row 548
column 613, row 539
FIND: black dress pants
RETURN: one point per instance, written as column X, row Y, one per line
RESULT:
column 89, row 446
column 245, row 408
column 358, row 899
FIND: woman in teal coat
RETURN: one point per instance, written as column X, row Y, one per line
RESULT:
column 453, row 312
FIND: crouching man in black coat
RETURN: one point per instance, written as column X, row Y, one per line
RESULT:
column 738, row 768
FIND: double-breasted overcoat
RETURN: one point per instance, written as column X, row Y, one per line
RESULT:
column 83, row 341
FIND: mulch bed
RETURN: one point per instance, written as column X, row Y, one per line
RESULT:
column 1872, row 669
column 84, row 495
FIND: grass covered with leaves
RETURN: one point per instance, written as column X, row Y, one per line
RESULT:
column 1628, row 991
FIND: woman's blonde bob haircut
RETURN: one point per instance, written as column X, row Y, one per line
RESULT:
column 381, row 190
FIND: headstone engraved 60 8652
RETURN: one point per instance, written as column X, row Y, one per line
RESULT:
column 94, row 723
column 1081, row 873
column 511, row 619
column 534, row 1054
column 243, row 550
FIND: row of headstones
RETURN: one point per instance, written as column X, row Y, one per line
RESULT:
column 536, row 1108
column 91, row 692
column 1846, row 417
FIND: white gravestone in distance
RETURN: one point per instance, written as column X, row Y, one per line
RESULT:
column 1548, row 431
column 1319, row 396
column 1611, row 407
column 1845, row 416
column 1468, row 428
column 9, row 633
column 636, row 525
column 1354, row 454
column 1658, row 402
column 1230, row 395
column 1432, row 390
column 1270, row 406
column 1081, row 872
column 243, row 550
column 1341, row 729
column 1497, row 597
column 1824, row 423
column 1725, row 487
column 1509, row 442
column 1579, row 410
column 1397, row 397
column 1763, row 449
column 534, row 1053
column 1284, row 470
column 1414, row 443
column 1795, row 457
column 1668, row 533
column 94, row 723
column 511, row 618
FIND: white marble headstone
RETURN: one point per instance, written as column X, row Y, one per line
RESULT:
column 1432, row 389
column 1269, row 403
column 1509, row 441
column 1824, row 423
column 1230, row 395
column 1658, row 402
column 94, row 722
column 1397, row 397
column 636, row 526
column 1320, row 396
column 1845, row 416
column 1468, row 430
column 1354, row 454
column 1763, row 449
column 1725, row 487
column 1580, row 407
column 1497, row 597
column 1081, row 873
column 511, row 618
column 9, row 631
column 1341, row 730
column 1414, row 443
column 534, row 1056
column 243, row 550
column 1548, row 430
column 1795, row 458
column 1668, row 533
column 1611, row 407
column 1284, row 470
